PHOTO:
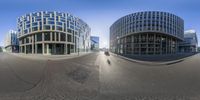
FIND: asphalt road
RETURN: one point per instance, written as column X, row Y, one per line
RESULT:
column 97, row 77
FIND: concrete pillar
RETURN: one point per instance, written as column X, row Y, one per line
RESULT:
column 20, row 49
column 124, row 45
column 54, row 48
column 35, row 48
column 147, row 43
column 32, row 44
column 139, row 44
column 176, row 45
column 166, row 45
column 35, row 43
column 47, row 48
column 43, row 49
column 59, row 36
column 50, row 36
column 161, row 44
column 42, row 36
column 154, row 42
column 171, row 45
column 132, row 44
column 55, row 34
column 25, row 49
column 66, row 43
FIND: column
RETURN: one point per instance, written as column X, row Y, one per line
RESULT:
column 59, row 36
column 139, row 44
column 20, row 49
column 161, row 44
column 147, row 43
column 35, row 44
column 176, row 45
column 32, row 44
column 47, row 48
column 50, row 36
column 25, row 49
column 43, row 48
column 35, row 48
column 43, row 43
column 171, row 45
column 42, row 37
column 154, row 43
column 66, row 43
column 124, row 45
column 54, row 36
column 132, row 44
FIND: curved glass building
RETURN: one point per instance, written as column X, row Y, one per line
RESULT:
column 146, row 33
column 48, row 32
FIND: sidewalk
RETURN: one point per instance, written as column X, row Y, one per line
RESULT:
column 154, row 63
column 49, row 57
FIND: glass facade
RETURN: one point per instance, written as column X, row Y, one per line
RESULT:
column 11, row 42
column 49, row 32
column 94, row 42
column 190, row 43
column 146, row 33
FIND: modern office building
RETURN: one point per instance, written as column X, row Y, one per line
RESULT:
column 146, row 33
column 11, row 42
column 54, row 32
column 190, row 43
column 94, row 42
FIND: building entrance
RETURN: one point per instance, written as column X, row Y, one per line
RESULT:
column 54, row 49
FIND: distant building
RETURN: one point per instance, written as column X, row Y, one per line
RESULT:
column 94, row 42
column 190, row 43
column 1, row 49
column 11, row 42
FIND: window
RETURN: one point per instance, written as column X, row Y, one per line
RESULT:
column 22, row 41
column 27, row 40
column 63, row 37
column 34, row 24
column 69, row 38
column 53, row 27
column 51, row 22
column 51, row 19
column 57, row 36
column 46, row 27
column 47, row 36
column 53, row 36
column 39, row 36
column 59, row 28
column 69, row 31
column 28, row 25
column 59, row 23
column 25, row 31
column 34, row 28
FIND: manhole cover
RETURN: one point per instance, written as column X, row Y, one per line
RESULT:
column 80, row 75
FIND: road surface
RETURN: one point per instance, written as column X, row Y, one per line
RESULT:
column 97, row 77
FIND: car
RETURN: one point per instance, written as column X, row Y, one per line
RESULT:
column 107, row 53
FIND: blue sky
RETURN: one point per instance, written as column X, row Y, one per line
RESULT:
column 99, row 14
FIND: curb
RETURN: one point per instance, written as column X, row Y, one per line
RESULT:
column 47, row 57
column 152, row 63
